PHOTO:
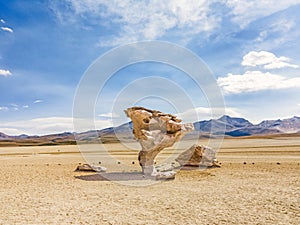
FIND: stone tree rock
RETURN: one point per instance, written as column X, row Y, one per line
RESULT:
column 155, row 131
column 198, row 155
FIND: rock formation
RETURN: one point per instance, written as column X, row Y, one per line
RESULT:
column 155, row 131
column 198, row 155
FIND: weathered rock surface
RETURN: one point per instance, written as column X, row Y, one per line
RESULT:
column 155, row 131
column 198, row 155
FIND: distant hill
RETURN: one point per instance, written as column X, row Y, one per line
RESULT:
column 266, row 127
column 230, row 126
column 291, row 125
column 3, row 136
column 218, row 125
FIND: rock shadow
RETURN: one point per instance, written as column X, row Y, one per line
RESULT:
column 115, row 176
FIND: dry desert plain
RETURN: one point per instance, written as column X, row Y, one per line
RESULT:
column 258, row 183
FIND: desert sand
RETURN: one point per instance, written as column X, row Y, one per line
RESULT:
column 258, row 183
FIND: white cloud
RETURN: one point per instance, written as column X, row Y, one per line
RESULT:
column 286, row 27
column 3, row 108
column 10, row 131
column 252, row 81
column 244, row 12
column 176, row 19
column 7, row 29
column 140, row 20
column 108, row 116
column 38, row 101
column 14, row 107
column 5, row 73
column 266, row 59
column 47, row 125
column 2, row 21
column 205, row 113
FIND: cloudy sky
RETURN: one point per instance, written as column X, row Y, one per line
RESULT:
column 251, row 47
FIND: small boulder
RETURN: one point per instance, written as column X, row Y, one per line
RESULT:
column 168, row 175
column 198, row 155
column 91, row 168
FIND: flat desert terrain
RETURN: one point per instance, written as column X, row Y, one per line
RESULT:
column 258, row 183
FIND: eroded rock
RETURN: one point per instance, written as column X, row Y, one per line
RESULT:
column 198, row 155
column 155, row 131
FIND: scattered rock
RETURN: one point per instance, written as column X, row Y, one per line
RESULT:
column 87, row 167
column 169, row 175
column 165, row 167
column 198, row 155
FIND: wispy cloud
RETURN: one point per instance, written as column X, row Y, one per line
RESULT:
column 180, row 20
column 107, row 116
column 10, row 30
column 244, row 12
column 286, row 27
column 38, row 101
column 46, row 125
column 5, row 73
column 148, row 19
column 3, row 108
column 205, row 113
column 252, row 81
column 2, row 21
column 266, row 59
column 14, row 106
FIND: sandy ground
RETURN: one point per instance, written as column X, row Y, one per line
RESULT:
column 258, row 183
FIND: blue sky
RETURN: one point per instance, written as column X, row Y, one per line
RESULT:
column 251, row 47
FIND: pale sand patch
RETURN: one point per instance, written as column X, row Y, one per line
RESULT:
column 38, row 186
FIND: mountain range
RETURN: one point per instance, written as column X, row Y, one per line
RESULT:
column 237, row 127
column 230, row 126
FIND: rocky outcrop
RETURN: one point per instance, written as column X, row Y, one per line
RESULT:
column 155, row 131
column 198, row 155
